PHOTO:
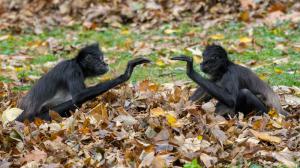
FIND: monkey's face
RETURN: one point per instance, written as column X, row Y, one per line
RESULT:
column 215, row 60
column 92, row 61
column 95, row 64
column 211, row 66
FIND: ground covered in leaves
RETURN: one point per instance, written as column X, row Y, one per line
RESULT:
column 153, row 125
column 148, row 121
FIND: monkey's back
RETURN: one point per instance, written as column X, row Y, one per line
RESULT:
column 44, row 89
column 249, row 80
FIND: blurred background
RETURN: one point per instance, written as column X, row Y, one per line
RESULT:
column 261, row 34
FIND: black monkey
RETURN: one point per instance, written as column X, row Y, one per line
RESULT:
column 63, row 89
column 236, row 88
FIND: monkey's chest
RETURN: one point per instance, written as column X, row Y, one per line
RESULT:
column 60, row 97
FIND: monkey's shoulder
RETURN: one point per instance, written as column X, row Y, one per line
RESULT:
column 64, row 70
column 241, row 71
column 56, row 77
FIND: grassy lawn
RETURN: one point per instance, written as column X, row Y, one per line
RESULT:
column 122, row 44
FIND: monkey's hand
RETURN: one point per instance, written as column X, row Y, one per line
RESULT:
column 183, row 58
column 137, row 61
column 132, row 63
column 188, row 60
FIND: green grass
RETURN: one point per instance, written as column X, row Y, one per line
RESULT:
column 120, row 45
column 5, row 79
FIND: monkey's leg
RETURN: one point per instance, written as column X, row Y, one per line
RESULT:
column 200, row 95
column 62, row 109
column 247, row 102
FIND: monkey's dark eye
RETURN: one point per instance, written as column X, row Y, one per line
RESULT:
column 214, row 57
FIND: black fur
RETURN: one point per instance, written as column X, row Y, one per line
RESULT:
column 63, row 89
column 236, row 88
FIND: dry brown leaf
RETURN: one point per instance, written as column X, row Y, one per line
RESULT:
column 155, row 112
column 286, row 157
column 158, row 162
column 100, row 113
column 208, row 161
column 265, row 136
column 10, row 114
column 248, row 4
column 163, row 135
column 244, row 16
column 35, row 155
column 146, row 85
column 278, row 7
column 55, row 116
column 127, row 120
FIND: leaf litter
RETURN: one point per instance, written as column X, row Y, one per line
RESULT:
column 156, row 127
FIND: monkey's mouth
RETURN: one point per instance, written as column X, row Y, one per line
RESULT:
column 102, row 70
column 204, row 69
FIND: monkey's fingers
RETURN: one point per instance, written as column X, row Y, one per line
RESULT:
column 182, row 58
column 138, row 61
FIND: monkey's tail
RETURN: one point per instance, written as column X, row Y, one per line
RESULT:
column 274, row 102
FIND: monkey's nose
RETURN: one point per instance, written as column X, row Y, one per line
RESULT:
column 104, row 63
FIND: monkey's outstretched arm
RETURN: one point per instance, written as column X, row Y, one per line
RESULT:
column 211, row 88
column 94, row 91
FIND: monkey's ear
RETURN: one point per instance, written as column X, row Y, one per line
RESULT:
column 95, row 47
column 96, row 44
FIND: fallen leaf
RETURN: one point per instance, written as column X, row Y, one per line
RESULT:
column 170, row 31
column 277, row 7
column 208, row 107
column 194, row 145
column 219, row 134
column 217, row 37
column 38, row 121
column 262, row 76
column 160, row 63
column 55, row 116
column 10, row 114
column 248, row 4
column 35, row 155
column 286, row 157
column 195, row 51
column 273, row 113
column 125, row 32
column 200, row 137
column 99, row 113
column 128, row 120
column 265, row 136
column 4, row 37
column 155, row 112
column 146, row 85
column 171, row 120
column 158, row 162
column 245, row 40
column 147, row 160
column 244, row 16
column 163, row 135
column 208, row 161
column 278, row 71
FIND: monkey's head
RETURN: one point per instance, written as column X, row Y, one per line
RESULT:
column 91, row 60
column 215, row 60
